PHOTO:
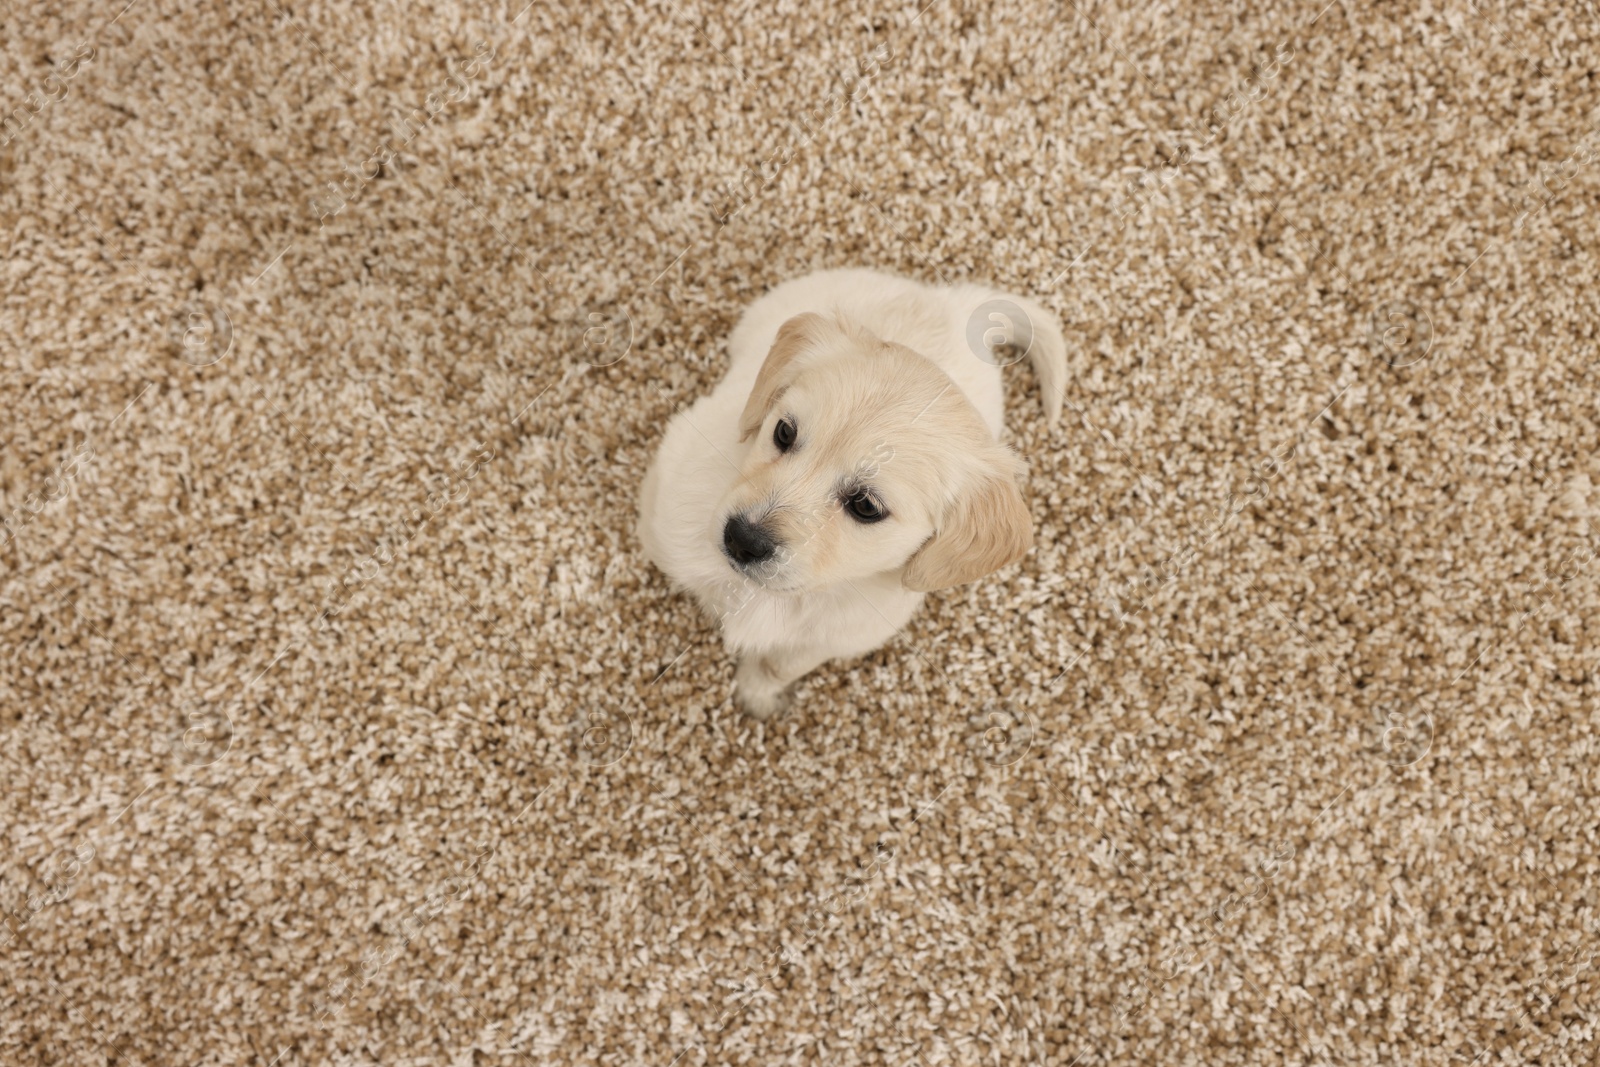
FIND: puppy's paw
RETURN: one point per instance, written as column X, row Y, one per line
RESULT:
column 760, row 695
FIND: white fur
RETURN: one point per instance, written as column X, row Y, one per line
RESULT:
column 781, row 636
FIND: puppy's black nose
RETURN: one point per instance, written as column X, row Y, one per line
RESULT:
column 745, row 542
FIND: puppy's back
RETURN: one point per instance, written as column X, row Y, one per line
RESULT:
column 895, row 308
column 947, row 324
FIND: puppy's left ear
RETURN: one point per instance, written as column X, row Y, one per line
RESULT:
column 985, row 529
column 794, row 337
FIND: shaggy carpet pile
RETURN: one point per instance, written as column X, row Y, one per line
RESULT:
column 342, row 722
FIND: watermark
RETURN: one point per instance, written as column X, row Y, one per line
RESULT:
column 1552, row 990
column 59, row 873
column 56, row 486
column 203, row 733
column 1240, row 98
column 604, row 337
column 1002, row 734
column 749, row 584
column 52, row 89
column 1546, row 186
column 1568, row 567
column 1552, row 580
column 356, row 979
column 802, row 130
column 999, row 332
column 1400, row 736
column 1401, row 333
column 1185, row 956
column 601, row 735
column 1550, row 181
column 1141, row 189
column 1154, row 577
column 401, row 530
column 811, row 518
column 202, row 330
column 813, row 926
column 406, row 128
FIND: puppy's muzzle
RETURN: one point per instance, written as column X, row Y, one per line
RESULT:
column 746, row 543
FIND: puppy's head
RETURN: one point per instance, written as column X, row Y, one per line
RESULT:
column 864, row 459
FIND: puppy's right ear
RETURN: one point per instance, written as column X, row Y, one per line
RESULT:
column 794, row 337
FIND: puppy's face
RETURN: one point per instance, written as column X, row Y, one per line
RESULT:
column 865, row 458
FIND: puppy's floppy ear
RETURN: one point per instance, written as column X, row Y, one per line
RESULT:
column 794, row 337
column 986, row 528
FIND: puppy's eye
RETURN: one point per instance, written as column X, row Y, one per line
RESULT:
column 864, row 509
column 783, row 435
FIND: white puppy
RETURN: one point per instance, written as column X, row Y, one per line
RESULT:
column 848, row 463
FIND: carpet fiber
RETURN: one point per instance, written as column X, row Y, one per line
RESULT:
column 343, row 721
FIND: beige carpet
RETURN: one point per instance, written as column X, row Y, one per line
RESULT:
column 343, row 722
